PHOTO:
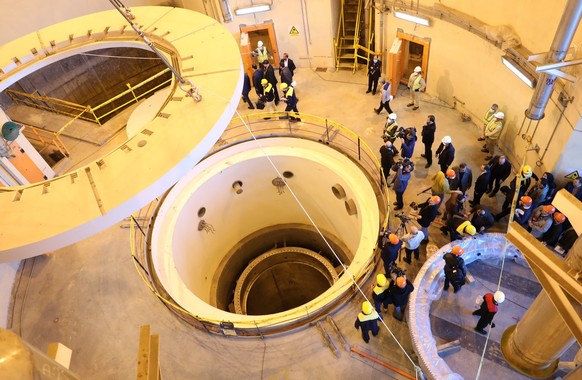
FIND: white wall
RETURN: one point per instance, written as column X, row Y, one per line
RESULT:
column 7, row 275
column 469, row 68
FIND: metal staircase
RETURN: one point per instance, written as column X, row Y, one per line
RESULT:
column 350, row 35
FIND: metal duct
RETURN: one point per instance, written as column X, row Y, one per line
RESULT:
column 562, row 40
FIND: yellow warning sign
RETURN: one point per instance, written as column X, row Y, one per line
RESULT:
column 293, row 31
column 572, row 176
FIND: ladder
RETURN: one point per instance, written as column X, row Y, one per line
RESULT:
column 348, row 35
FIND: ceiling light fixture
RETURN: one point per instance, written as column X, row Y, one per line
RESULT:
column 518, row 70
column 412, row 18
column 253, row 9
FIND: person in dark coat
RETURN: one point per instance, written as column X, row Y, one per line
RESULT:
column 500, row 169
column 455, row 271
column 552, row 188
column 390, row 250
column 488, row 310
column 286, row 62
column 290, row 98
column 398, row 293
column 367, row 320
column 482, row 219
column 387, row 153
column 407, row 149
column 552, row 235
column 246, row 90
column 269, row 74
column 566, row 241
column 445, row 153
column 380, row 292
column 481, row 185
column 257, row 77
column 575, row 188
column 428, row 131
column 401, row 183
column 428, row 213
column 463, row 178
column 374, row 73
column 522, row 212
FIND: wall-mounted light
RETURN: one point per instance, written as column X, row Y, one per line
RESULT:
column 518, row 70
column 412, row 18
column 252, row 9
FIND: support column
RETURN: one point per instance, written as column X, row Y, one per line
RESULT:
column 534, row 345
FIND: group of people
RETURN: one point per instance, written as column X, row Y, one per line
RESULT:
column 265, row 83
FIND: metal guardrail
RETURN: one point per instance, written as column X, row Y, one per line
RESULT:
column 45, row 138
column 86, row 112
column 258, row 126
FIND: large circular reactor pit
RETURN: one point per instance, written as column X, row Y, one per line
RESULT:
column 429, row 283
column 232, row 222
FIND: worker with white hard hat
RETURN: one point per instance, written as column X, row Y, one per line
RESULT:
column 261, row 53
column 487, row 310
column 489, row 114
column 492, row 133
column 416, row 84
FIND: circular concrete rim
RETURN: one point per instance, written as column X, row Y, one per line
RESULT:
column 100, row 194
column 306, row 256
column 215, row 163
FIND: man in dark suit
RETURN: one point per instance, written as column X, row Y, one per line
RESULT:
column 374, row 73
column 246, row 90
column 286, row 62
column 269, row 74
column 481, row 185
column 257, row 76
column 463, row 178
column 428, row 131
column 500, row 170
column 445, row 153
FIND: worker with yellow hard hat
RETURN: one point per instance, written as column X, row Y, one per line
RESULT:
column 379, row 292
column 367, row 321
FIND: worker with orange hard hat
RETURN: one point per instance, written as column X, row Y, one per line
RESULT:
column 398, row 292
column 428, row 212
column 390, row 245
column 540, row 220
column 455, row 271
column 550, row 238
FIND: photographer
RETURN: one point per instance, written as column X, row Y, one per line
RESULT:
column 403, row 169
column 408, row 137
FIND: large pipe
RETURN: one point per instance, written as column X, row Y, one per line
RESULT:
column 562, row 40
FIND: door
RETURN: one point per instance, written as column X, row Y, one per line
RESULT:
column 255, row 33
column 410, row 51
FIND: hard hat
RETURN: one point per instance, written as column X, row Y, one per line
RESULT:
column 548, row 209
column 264, row 81
column 435, row 199
column 284, row 85
column 367, row 307
column 526, row 200
column 393, row 116
column 417, row 69
column 499, row 115
column 260, row 44
column 393, row 239
column 450, row 173
column 457, row 250
column 471, row 230
column 526, row 171
column 499, row 296
column 446, row 140
column 400, row 282
column 381, row 279
column 559, row 217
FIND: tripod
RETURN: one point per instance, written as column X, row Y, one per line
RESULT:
column 402, row 229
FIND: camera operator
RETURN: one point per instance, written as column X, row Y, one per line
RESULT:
column 403, row 169
column 408, row 137
column 428, row 213
column 390, row 249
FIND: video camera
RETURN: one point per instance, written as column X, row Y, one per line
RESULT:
column 403, row 132
column 402, row 163
column 395, row 271
column 403, row 217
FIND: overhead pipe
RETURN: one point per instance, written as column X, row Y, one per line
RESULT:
column 562, row 40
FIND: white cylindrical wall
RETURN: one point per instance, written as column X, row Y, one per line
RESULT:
column 186, row 259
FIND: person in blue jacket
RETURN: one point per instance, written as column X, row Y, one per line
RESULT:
column 390, row 250
column 407, row 149
column 404, row 168
column 367, row 321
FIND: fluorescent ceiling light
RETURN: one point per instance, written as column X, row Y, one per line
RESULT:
column 521, row 73
column 411, row 18
column 253, row 9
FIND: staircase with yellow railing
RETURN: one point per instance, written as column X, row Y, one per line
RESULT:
column 350, row 33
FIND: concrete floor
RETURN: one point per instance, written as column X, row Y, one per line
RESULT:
column 89, row 296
